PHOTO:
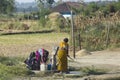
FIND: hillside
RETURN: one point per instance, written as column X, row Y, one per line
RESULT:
column 26, row 7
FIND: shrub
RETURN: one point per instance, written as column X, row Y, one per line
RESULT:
column 11, row 67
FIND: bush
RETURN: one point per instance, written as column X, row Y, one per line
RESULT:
column 11, row 67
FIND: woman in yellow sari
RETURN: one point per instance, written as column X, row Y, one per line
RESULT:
column 62, row 56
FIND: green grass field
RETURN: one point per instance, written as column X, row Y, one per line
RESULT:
column 14, row 49
column 23, row 44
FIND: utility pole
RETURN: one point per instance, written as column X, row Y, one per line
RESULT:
column 79, row 41
column 73, row 39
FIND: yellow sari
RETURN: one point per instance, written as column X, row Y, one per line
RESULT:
column 62, row 57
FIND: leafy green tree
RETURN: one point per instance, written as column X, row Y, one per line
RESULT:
column 43, row 19
column 45, row 3
column 112, row 8
column 93, row 7
column 7, row 6
column 50, row 1
column 117, row 5
column 44, row 10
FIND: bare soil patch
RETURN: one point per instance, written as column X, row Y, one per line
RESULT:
column 108, row 60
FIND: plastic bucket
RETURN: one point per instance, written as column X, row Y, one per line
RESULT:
column 49, row 67
column 42, row 67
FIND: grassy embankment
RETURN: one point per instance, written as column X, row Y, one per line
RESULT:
column 15, row 48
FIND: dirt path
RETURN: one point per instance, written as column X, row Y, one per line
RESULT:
column 107, row 57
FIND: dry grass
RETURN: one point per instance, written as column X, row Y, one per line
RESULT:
column 21, row 45
column 98, row 32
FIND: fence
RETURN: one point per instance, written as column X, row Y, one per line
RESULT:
column 97, row 32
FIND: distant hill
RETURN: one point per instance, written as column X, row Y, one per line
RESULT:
column 32, row 6
column 26, row 7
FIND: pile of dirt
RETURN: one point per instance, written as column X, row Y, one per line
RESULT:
column 82, row 52
column 54, row 19
column 54, row 15
column 114, row 49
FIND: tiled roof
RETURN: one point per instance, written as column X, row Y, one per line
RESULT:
column 66, row 7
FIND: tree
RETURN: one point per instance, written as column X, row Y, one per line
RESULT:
column 7, row 6
column 117, row 5
column 44, row 9
column 112, row 8
column 93, row 7
column 45, row 3
column 50, row 1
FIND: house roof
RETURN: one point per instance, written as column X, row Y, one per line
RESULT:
column 66, row 7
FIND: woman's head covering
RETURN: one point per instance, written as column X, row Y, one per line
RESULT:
column 65, row 39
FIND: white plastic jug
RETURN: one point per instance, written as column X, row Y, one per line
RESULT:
column 42, row 67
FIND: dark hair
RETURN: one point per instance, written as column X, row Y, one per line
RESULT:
column 65, row 40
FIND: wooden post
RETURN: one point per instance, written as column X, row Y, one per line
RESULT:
column 73, row 39
column 79, row 41
column 107, row 36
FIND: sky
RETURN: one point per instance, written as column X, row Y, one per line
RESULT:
column 57, row 0
column 24, row 1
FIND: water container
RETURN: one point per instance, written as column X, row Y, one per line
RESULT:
column 42, row 67
column 49, row 67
